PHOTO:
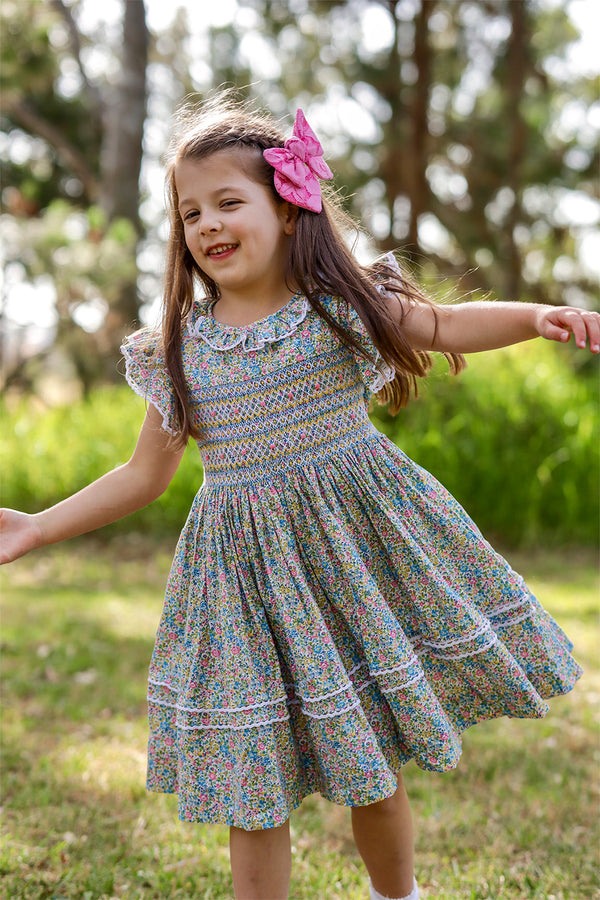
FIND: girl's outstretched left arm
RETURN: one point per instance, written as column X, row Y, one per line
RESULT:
column 487, row 325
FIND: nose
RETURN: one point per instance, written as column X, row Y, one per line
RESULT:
column 209, row 223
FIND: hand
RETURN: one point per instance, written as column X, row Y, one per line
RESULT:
column 555, row 323
column 19, row 533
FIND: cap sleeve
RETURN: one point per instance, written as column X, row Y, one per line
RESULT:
column 373, row 375
column 147, row 375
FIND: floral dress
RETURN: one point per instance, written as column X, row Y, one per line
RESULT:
column 332, row 612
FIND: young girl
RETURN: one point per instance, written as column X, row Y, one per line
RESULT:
column 331, row 612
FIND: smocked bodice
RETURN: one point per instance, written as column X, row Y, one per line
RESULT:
column 270, row 395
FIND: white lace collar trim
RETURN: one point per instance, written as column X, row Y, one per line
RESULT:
column 280, row 324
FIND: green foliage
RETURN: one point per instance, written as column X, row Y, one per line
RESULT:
column 52, row 453
column 514, row 438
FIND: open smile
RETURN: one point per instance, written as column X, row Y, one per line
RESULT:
column 221, row 251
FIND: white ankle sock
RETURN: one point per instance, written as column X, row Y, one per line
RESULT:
column 414, row 894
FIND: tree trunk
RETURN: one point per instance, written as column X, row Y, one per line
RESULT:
column 124, row 122
column 121, row 158
column 517, row 66
column 420, row 135
column 393, row 156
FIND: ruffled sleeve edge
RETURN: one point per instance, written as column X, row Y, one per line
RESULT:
column 144, row 384
column 386, row 373
column 137, row 389
column 375, row 374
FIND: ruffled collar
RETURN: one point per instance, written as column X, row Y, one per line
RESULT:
column 202, row 324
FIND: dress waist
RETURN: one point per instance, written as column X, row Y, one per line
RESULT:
column 266, row 456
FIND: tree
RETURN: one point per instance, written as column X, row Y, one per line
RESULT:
column 465, row 161
column 448, row 122
column 74, row 188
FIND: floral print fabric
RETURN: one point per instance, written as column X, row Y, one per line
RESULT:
column 331, row 612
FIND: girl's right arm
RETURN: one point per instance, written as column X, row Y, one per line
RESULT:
column 124, row 490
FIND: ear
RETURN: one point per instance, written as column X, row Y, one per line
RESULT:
column 290, row 214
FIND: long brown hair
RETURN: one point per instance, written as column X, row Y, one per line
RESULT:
column 319, row 261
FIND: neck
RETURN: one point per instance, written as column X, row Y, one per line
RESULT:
column 240, row 309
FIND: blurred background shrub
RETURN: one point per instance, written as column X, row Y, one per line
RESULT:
column 514, row 438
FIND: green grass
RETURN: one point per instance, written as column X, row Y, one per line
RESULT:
column 518, row 819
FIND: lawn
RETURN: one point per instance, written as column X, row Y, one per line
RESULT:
column 518, row 818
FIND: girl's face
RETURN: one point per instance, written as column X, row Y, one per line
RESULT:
column 233, row 228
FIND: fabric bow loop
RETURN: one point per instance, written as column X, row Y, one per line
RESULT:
column 298, row 166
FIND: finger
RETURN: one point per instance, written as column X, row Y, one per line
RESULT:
column 592, row 323
column 572, row 319
column 556, row 333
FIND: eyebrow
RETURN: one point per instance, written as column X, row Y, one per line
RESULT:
column 222, row 190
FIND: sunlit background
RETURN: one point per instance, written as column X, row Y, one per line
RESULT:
column 347, row 49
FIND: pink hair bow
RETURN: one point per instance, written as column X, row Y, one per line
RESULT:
column 298, row 166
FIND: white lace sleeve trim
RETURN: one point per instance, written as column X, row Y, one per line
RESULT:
column 139, row 390
column 386, row 373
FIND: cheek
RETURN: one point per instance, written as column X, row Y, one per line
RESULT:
column 187, row 237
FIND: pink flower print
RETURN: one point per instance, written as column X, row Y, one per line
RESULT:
column 261, row 745
column 215, row 652
column 480, row 672
column 169, row 741
column 172, row 636
column 260, row 770
column 405, row 717
column 229, row 765
column 436, row 676
column 236, row 650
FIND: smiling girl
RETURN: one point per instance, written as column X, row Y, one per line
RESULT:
column 331, row 612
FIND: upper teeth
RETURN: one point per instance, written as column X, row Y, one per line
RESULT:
column 221, row 248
